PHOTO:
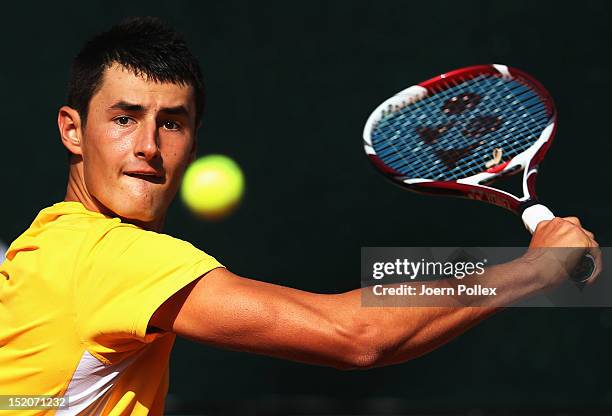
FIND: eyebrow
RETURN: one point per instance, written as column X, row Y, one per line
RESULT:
column 138, row 108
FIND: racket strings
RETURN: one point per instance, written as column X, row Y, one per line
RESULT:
column 437, row 121
column 453, row 148
column 457, row 151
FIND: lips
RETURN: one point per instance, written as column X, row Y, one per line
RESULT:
column 147, row 175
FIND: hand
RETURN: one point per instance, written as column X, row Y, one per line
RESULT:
column 558, row 246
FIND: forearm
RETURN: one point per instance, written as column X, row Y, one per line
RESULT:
column 339, row 331
column 397, row 334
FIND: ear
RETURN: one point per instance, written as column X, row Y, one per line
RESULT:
column 69, row 124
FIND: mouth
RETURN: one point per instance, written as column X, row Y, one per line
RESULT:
column 149, row 177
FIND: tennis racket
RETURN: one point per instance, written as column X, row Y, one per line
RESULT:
column 457, row 133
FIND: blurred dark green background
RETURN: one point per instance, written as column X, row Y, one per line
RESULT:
column 290, row 85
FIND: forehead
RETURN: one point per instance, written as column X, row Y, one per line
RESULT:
column 121, row 84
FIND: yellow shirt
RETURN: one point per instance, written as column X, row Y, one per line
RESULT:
column 77, row 290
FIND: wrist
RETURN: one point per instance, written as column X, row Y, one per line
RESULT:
column 542, row 266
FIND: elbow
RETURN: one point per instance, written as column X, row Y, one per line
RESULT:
column 363, row 349
column 364, row 361
column 352, row 362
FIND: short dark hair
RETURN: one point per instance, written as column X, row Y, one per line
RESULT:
column 146, row 46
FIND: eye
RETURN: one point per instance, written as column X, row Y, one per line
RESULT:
column 124, row 120
column 171, row 125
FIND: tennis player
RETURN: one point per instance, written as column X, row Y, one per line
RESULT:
column 93, row 294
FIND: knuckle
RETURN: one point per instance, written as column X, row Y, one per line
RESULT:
column 572, row 220
column 556, row 222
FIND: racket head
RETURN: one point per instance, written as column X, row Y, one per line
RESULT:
column 459, row 131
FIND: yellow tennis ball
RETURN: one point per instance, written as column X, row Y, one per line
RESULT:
column 212, row 186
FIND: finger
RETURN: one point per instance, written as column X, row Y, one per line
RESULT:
column 589, row 234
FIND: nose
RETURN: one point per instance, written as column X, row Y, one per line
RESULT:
column 147, row 142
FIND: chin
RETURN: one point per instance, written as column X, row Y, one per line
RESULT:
column 134, row 212
column 144, row 215
column 136, row 207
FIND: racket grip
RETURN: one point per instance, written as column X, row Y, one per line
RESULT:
column 535, row 214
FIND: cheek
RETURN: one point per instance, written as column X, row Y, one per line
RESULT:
column 106, row 148
column 104, row 154
column 116, row 141
column 176, row 156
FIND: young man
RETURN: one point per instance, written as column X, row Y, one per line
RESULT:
column 92, row 295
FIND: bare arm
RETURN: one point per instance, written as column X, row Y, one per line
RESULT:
column 229, row 311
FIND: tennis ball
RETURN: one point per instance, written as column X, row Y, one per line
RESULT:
column 212, row 186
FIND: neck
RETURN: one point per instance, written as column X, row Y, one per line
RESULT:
column 77, row 192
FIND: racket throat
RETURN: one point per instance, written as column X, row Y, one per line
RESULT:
column 509, row 182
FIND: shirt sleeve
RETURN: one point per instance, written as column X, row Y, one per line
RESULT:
column 124, row 276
